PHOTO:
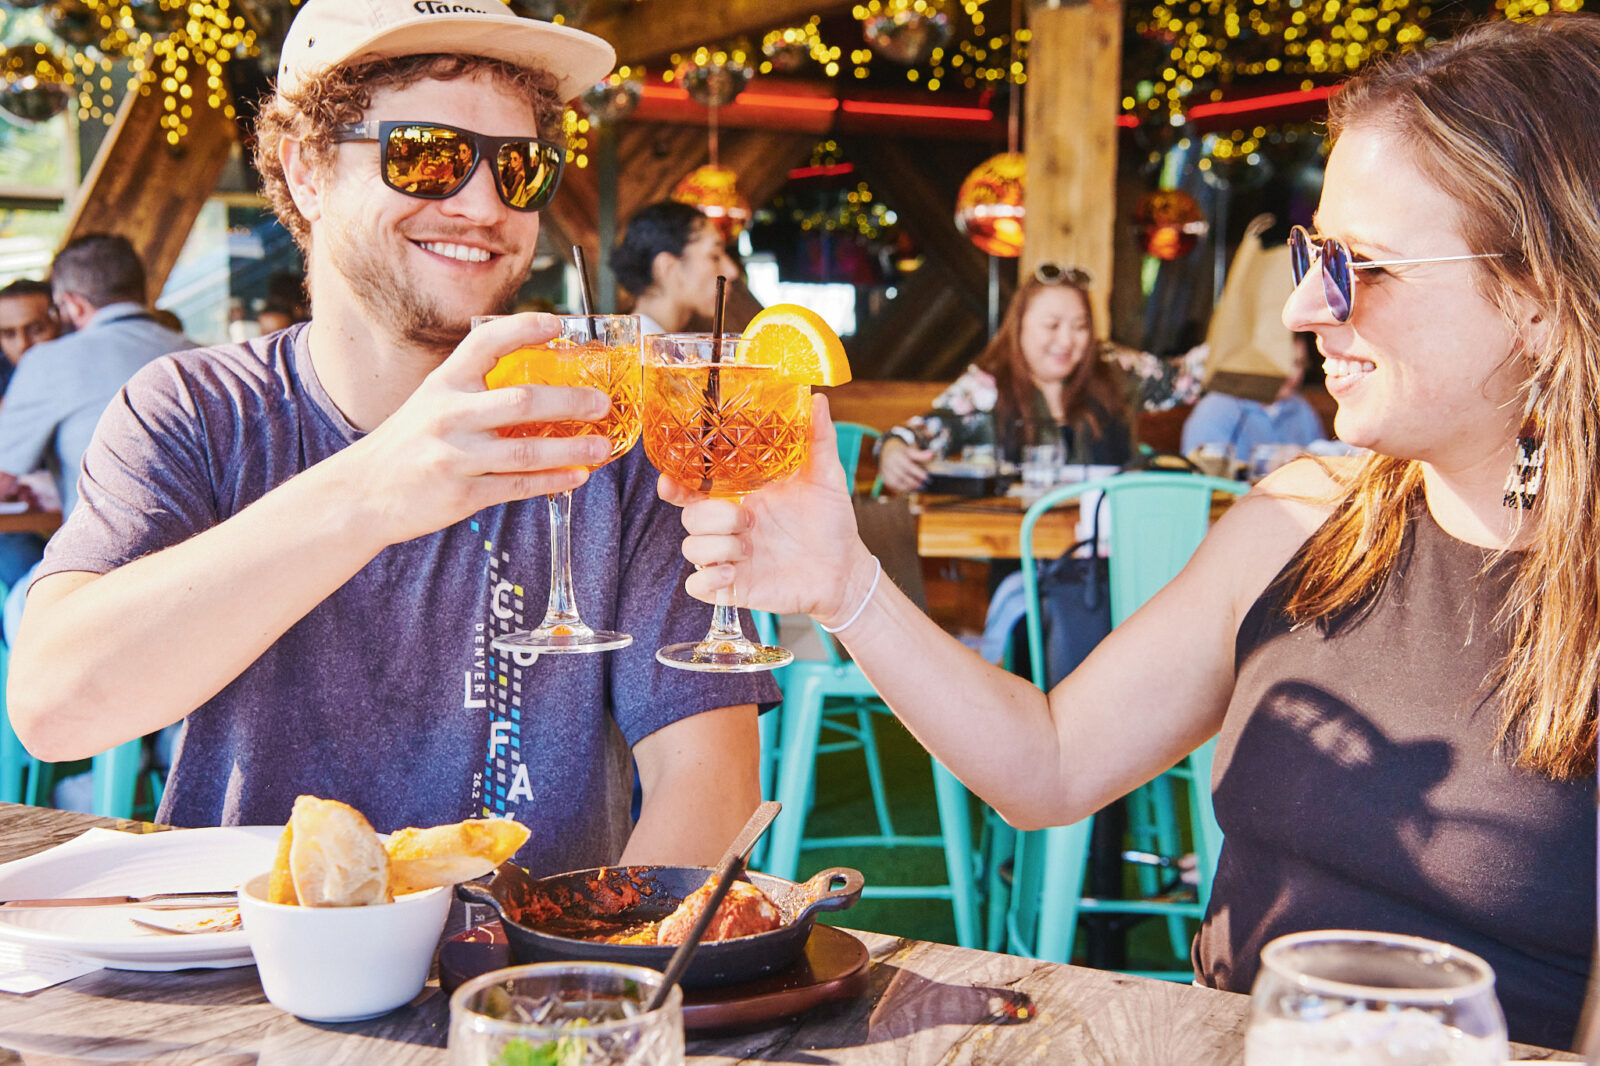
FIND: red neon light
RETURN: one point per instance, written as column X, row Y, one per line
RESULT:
column 959, row 114
column 665, row 92
column 832, row 170
column 1261, row 103
column 793, row 103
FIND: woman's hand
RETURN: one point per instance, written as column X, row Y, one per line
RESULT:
column 791, row 548
column 904, row 468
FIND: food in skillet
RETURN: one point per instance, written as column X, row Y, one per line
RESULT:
column 329, row 856
column 744, row 911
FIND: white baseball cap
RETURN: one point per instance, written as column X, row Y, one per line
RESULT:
column 326, row 33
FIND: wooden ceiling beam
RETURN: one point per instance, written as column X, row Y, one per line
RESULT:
column 147, row 190
column 652, row 29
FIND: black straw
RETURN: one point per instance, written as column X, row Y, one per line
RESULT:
column 583, row 280
column 713, row 377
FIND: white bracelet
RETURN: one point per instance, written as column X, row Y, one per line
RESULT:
column 877, row 573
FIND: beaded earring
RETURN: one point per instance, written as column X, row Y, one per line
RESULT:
column 1527, row 466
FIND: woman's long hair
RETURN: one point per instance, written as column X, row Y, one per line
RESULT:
column 1092, row 393
column 1505, row 119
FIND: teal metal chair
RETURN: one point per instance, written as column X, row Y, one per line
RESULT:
column 1157, row 521
column 832, row 695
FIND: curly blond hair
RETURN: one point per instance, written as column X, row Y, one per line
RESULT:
column 343, row 94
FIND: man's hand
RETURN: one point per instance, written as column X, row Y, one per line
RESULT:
column 10, row 487
column 440, row 457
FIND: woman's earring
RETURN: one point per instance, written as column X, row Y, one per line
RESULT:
column 1527, row 467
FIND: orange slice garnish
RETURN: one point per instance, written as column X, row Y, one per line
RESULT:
column 798, row 341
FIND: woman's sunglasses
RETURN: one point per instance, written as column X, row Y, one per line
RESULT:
column 433, row 161
column 1056, row 274
column 1338, row 268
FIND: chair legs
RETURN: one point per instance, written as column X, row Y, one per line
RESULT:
column 806, row 688
column 116, row 778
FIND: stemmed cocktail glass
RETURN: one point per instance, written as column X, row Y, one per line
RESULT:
column 727, row 428
column 598, row 351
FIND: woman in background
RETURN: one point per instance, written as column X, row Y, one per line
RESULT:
column 1043, row 367
column 669, row 259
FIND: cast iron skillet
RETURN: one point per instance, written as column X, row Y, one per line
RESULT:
column 616, row 897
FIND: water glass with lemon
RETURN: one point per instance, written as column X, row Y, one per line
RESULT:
column 730, row 415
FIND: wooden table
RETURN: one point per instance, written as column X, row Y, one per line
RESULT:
column 959, row 527
column 43, row 523
column 927, row 1003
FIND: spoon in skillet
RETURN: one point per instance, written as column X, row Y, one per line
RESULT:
column 728, row 869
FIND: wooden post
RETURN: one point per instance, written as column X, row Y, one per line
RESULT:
column 148, row 190
column 1073, row 95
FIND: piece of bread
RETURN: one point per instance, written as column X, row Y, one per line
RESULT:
column 449, row 854
column 335, row 859
column 280, row 886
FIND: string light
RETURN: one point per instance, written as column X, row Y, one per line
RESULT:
column 207, row 34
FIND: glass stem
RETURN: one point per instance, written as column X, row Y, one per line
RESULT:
column 562, row 610
column 725, row 621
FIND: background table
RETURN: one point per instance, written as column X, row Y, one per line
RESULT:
column 43, row 523
column 926, row 1003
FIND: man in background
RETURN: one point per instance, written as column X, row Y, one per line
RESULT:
column 55, row 399
column 27, row 317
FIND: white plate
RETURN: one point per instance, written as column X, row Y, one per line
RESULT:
column 103, row 862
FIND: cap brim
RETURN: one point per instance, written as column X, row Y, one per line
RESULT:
column 574, row 58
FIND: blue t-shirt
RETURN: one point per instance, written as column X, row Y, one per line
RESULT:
column 387, row 695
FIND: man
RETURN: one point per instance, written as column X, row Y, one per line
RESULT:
column 27, row 317
column 311, row 540
column 56, row 397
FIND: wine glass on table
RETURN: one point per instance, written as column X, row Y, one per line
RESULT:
column 601, row 352
column 728, row 416
column 1337, row 997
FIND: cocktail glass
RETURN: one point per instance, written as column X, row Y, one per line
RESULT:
column 566, row 1013
column 727, row 428
column 601, row 352
column 1348, row 998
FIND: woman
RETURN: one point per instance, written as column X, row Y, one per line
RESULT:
column 669, row 259
column 1400, row 651
column 1041, row 367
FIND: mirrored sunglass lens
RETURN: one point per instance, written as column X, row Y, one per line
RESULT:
column 528, row 173
column 1299, row 254
column 426, row 160
column 1336, row 279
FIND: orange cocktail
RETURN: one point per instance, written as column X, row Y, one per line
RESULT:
column 600, row 352
column 728, row 430
column 720, row 422
column 612, row 370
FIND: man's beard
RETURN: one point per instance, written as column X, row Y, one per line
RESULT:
column 389, row 294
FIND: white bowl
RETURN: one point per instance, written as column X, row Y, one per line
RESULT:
column 342, row 964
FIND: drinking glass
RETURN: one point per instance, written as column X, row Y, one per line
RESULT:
column 727, row 428
column 598, row 351
column 571, row 1013
column 1043, row 453
column 1265, row 458
column 1214, row 459
column 1344, row 998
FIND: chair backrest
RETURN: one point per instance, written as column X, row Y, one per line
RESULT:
column 851, row 436
column 1157, row 521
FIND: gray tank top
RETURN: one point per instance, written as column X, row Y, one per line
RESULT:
column 1357, row 783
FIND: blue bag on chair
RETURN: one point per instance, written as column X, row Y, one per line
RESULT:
column 1075, row 611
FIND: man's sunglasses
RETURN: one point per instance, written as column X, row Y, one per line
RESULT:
column 433, row 161
column 1338, row 268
